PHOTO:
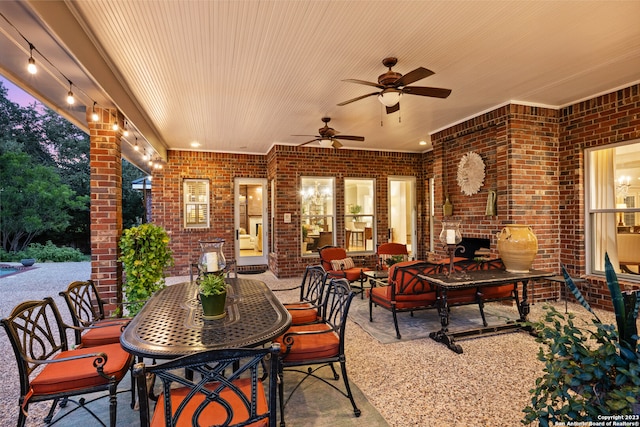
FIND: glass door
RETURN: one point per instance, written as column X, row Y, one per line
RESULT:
column 402, row 212
column 250, row 196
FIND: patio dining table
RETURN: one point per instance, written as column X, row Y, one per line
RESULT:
column 171, row 323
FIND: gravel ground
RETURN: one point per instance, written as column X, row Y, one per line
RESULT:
column 414, row 383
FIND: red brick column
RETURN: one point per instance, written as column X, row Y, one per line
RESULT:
column 106, row 205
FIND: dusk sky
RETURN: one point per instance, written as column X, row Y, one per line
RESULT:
column 16, row 94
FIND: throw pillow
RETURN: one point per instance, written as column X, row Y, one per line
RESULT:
column 342, row 264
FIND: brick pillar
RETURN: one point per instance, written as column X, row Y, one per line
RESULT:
column 106, row 205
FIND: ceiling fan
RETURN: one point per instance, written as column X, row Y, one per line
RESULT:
column 328, row 137
column 394, row 84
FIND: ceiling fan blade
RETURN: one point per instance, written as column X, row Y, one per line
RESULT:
column 364, row 82
column 434, row 92
column 308, row 142
column 358, row 98
column 315, row 136
column 393, row 108
column 351, row 138
column 336, row 143
column 413, row 76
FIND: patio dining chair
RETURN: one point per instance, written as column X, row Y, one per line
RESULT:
column 228, row 389
column 337, row 264
column 48, row 370
column 307, row 308
column 319, row 345
column 390, row 253
column 86, row 307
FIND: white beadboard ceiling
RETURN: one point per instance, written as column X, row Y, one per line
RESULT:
column 240, row 76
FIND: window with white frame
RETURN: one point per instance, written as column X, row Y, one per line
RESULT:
column 196, row 203
column 359, row 214
column 317, row 203
column 612, row 212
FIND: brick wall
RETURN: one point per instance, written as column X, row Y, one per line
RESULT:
column 533, row 158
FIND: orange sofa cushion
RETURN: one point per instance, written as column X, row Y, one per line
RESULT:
column 302, row 313
column 494, row 292
column 214, row 413
column 80, row 374
column 309, row 347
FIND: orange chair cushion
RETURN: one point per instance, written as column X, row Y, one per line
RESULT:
column 302, row 313
column 495, row 292
column 462, row 296
column 80, row 374
column 312, row 346
column 214, row 413
column 108, row 332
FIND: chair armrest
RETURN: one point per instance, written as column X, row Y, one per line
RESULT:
column 100, row 359
column 288, row 338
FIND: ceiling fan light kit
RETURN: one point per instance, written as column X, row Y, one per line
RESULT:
column 389, row 97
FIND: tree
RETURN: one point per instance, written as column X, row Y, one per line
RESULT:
column 132, row 200
column 32, row 200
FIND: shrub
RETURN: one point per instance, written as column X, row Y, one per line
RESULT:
column 45, row 253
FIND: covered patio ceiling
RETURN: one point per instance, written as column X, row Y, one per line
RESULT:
column 240, row 76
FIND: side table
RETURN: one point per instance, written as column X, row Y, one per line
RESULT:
column 377, row 277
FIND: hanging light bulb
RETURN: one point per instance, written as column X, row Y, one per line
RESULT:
column 70, row 98
column 126, row 130
column 115, row 125
column 144, row 155
column 94, row 115
column 136, row 147
column 31, row 67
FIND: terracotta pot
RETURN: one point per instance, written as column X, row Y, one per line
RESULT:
column 213, row 306
column 518, row 247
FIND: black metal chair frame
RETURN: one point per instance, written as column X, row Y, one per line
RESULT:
column 312, row 286
column 336, row 301
column 87, row 308
column 217, row 367
column 37, row 334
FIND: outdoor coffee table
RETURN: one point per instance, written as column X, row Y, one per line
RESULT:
column 479, row 279
column 377, row 277
column 171, row 324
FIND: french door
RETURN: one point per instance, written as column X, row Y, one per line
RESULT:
column 251, row 225
column 402, row 212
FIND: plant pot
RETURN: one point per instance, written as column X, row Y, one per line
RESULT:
column 518, row 247
column 28, row 262
column 213, row 306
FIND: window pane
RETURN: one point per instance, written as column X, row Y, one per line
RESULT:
column 359, row 216
column 317, row 213
column 196, row 203
column 613, row 214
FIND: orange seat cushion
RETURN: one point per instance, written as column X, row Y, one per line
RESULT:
column 382, row 297
column 302, row 313
column 312, row 346
column 80, row 374
column 108, row 332
column 495, row 292
column 214, row 413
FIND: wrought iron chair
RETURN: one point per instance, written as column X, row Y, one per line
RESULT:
column 406, row 291
column 48, row 370
column 388, row 253
column 337, row 264
column 90, row 326
column 307, row 308
column 321, row 344
column 228, row 392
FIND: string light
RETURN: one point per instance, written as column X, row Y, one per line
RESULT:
column 144, row 155
column 70, row 98
column 94, row 115
column 32, row 62
column 32, row 68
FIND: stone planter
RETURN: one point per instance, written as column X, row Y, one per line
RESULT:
column 518, row 247
column 28, row 262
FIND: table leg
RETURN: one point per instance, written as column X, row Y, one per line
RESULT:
column 524, row 308
column 443, row 336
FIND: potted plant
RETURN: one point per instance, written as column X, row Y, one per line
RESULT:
column 394, row 259
column 213, row 295
column 145, row 254
column 589, row 372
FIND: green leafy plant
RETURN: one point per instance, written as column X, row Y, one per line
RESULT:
column 589, row 372
column 212, row 284
column 145, row 254
column 355, row 209
column 393, row 259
